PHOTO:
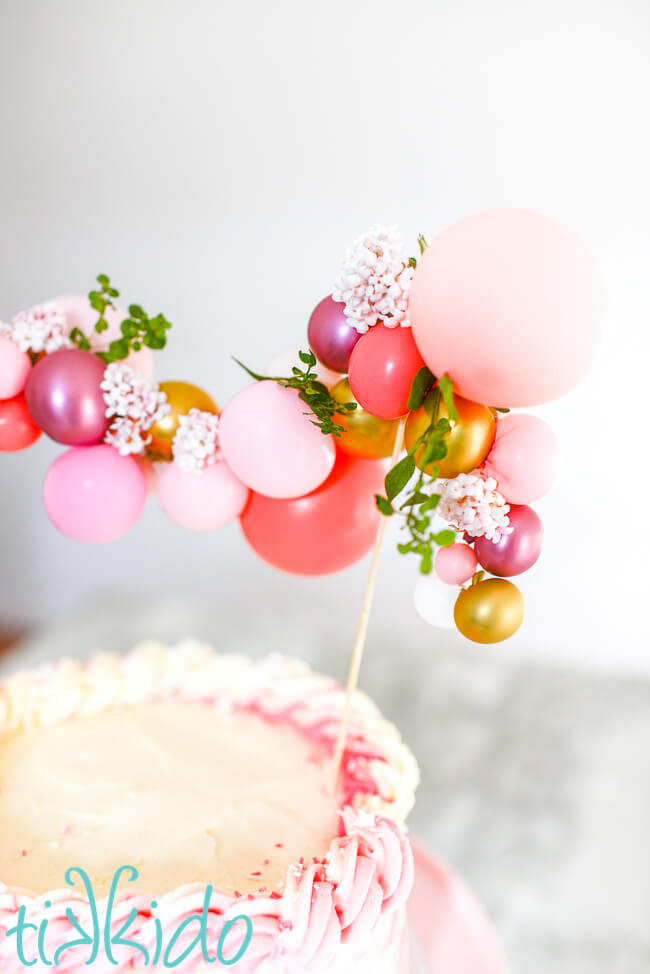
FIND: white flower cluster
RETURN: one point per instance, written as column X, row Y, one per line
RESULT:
column 375, row 280
column 471, row 503
column 135, row 405
column 196, row 443
column 42, row 328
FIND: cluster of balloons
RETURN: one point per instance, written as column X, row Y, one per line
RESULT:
column 505, row 303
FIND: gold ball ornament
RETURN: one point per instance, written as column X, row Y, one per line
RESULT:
column 181, row 396
column 366, row 436
column 469, row 441
column 489, row 611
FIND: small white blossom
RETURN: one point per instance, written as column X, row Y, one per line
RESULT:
column 196, row 442
column 42, row 328
column 135, row 404
column 471, row 503
column 375, row 280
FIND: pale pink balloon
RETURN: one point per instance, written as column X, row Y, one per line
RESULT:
column 270, row 442
column 523, row 459
column 93, row 494
column 15, row 366
column 455, row 564
column 203, row 500
column 80, row 314
column 507, row 302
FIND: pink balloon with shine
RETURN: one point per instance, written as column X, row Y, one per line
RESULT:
column 203, row 500
column 93, row 494
column 516, row 552
column 524, row 458
column 64, row 397
column 15, row 366
column 508, row 303
column 270, row 442
column 455, row 564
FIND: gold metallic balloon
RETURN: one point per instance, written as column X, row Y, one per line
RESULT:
column 468, row 442
column 181, row 396
column 366, row 436
column 490, row 611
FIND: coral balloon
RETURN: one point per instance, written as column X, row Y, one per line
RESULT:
column 507, row 303
column 434, row 602
column 80, row 314
column 281, row 365
column 271, row 444
column 516, row 552
column 468, row 442
column 327, row 530
column 17, row 428
column 490, row 611
column 94, row 494
column 181, row 396
column 64, row 398
column 383, row 364
column 524, row 458
column 15, row 366
column 366, row 436
column 201, row 501
column 455, row 564
column 331, row 336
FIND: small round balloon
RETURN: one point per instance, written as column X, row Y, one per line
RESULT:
column 523, row 459
column 490, row 611
column 93, row 494
column 516, row 552
column 270, row 442
column 383, row 364
column 181, row 396
column 469, row 441
column 79, row 313
column 203, row 500
column 327, row 530
column 455, row 564
column 15, row 366
column 17, row 428
column 64, row 397
column 365, row 437
column 507, row 303
column 434, row 602
column 331, row 336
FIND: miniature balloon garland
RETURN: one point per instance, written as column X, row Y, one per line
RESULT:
column 394, row 352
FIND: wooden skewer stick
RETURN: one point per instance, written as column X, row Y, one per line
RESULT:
column 360, row 641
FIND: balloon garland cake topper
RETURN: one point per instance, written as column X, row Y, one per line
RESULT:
column 419, row 359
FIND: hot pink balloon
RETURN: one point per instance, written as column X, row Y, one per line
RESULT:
column 15, row 366
column 204, row 500
column 523, row 459
column 80, row 314
column 93, row 494
column 455, row 564
column 64, row 397
column 331, row 336
column 270, row 442
column 514, row 553
column 507, row 302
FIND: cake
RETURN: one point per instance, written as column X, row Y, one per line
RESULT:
column 199, row 787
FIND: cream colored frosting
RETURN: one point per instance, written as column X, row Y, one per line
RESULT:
column 185, row 792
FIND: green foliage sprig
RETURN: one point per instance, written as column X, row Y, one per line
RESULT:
column 311, row 391
column 138, row 329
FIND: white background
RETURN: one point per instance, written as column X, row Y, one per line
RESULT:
column 217, row 158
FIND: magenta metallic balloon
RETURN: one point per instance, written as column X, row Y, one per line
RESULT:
column 516, row 552
column 64, row 399
column 331, row 336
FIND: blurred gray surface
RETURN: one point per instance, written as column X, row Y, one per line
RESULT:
column 535, row 782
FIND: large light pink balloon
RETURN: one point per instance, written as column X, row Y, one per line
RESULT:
column 507, row 302
column 523, row 459
column 201, row 501
column 271, row 444
column 15, row 366
column 80, row 314
column 93, row 494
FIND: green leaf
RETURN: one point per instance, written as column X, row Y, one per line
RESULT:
column 253, row 375
column 426, row 563
column 101, row 325
column 422, row 244
column 430, row 503
column 501, row 409
column 103, row 280
column 446, row 387
column 444, row 538
column 397, row 478
column 384, row 505
column 421, row 384
column 97, row 301
column 136, row 311
column 307, row 357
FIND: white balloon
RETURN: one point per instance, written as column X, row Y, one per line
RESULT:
column 283, row 363
column 435, row 601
